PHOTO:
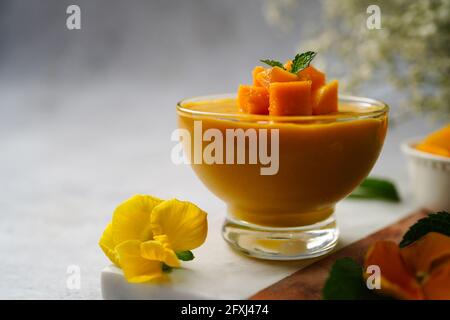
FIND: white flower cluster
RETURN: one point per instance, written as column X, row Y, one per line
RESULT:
column 411, row 51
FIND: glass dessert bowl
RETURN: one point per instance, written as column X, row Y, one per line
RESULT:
column 286, row 212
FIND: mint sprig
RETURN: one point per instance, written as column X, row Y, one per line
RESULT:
column 185, row 255
column 376, row 188
column 434, row 222
column 302, row 61
column 273, row 63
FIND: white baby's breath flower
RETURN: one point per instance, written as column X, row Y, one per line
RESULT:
column 411, row 50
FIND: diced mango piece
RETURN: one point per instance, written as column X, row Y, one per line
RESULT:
column 275, row 74
column 290, row 98
column 437, row 142
column 255, row 71
column 325, row 99
column 311, row 73
column 429, row 148
column 288, row 65
column 253, row 99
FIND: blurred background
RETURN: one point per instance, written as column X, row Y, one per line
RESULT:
column 86, row 115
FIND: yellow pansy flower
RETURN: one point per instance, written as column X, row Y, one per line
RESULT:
column 134, row 266
column 131, row 219
column 147, row 232
column 107, row 245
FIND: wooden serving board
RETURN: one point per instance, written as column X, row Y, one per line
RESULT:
column 307, row 283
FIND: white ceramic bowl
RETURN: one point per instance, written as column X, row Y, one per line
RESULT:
column 430, row 177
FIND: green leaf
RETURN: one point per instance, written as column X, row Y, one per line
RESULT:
column 346, row 282
column 166, row 268
column 185, row 255
column 273, row 63
column 301, row 61
column 434, row 222
column 376, row 188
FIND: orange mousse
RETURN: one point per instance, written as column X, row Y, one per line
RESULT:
column 322, row 158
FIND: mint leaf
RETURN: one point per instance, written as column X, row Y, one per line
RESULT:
column 273, row 63
column 434, row 222
column 301, row 61
column 376, row 188
column 185, row 255
column 346, row 282
column 166, row 268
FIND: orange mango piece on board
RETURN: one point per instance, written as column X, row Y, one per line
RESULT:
column 315, row 76
column 253, row 100
column 420, row 270
column 275, row 74
column 325, row 99
column 437, row 142
column 255, row 71
column 396, row 279
column 421, row 255
column 290, row 98
column 437, row 285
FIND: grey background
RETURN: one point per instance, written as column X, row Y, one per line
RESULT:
column 86, row 118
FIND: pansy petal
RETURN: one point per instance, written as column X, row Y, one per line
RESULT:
column 131, row 219
column 107, row 245
column 155, row 250
column 135, row 268
column 183, row 222
column 171, row 258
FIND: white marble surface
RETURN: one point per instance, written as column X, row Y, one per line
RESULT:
column 85, row 122
column 220, row 273
column 64, row 171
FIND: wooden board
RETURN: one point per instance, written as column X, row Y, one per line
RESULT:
column 307, row 283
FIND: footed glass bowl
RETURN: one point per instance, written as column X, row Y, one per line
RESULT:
column 281, row 176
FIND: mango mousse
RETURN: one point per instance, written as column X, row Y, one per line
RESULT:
column 326, row 145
